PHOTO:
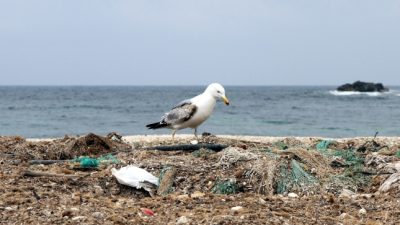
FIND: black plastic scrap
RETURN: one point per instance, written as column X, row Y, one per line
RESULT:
column 214, row 147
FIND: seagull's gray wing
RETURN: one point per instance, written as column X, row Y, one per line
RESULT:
column 180, row 113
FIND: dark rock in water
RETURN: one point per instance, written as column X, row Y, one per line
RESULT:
column 363, row 87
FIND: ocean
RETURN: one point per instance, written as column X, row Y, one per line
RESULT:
column 55, row 111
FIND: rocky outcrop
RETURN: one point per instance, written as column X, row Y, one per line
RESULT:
column 363, row 87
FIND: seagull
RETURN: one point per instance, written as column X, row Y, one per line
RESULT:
column 192, row 112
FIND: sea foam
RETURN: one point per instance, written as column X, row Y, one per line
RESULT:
column 348, row 93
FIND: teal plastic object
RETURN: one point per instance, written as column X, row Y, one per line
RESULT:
column 323, row 145
column 87, row 162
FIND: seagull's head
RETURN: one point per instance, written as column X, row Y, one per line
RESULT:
column 217, row 91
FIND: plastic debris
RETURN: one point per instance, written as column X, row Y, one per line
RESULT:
column 237, row 208
column 147, row 211
column 88, row 162
column 134, row 176
column 323, row 145
column 292, row 177
column 226, row 187
column 292, row 195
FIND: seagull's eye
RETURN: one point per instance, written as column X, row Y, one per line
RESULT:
column 218, row 92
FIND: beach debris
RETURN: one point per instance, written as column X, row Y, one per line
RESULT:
column 249, row 176
column 182, row 220
column 197, row 194
column 233, row 155
column 323, row 145
column 114, row 136
column 226, row 187
column 135, row 177
column 98, row 215
column 346, row 193
column 189, row 147
column 31, row 173
column 76, row 218
column 371, row 145
column 166, row 180
column 84, row 161
column 202, row 152
column 362, row 211
column 147, row 211
column 281, row 145
column 292, row 177
column 390, row 183
column 237, row 208
column 293, row 195
column 91, row 144
column 46, row 161
column 88, row 162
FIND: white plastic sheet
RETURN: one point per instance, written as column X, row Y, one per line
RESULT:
column 134, row 176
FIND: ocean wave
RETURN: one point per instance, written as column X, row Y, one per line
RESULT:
column 348, row 93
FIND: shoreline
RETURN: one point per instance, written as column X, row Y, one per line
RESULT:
column 189, row 137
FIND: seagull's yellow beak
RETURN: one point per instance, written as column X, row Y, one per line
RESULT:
column 226, row 100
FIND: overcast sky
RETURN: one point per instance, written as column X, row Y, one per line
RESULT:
column 188, row 42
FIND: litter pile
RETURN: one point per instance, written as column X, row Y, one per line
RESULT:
column 91, row 179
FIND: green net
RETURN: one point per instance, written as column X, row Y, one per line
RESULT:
column 323, row 145
column 293, row 177
column 88, row 162
column 281, row 145
column 165, row 180
column 350, row 157
column 225, row 187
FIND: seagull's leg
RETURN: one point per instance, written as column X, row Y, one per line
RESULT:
column 173, row 135
column 195, row 133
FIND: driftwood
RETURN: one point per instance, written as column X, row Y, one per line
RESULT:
column 45, row 162
column 376, row 146
column 214, row 147
column 31, row 173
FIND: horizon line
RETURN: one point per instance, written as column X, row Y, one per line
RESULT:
column 172, row 85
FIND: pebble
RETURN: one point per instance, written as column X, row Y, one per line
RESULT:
column 46, row 213
column 262, row 201
column 98, row 190
column 236, row 208
column 194, row 142
column 98, row 215
column 313, row 171
column 9, row 209
column 362, row 211
column 346, row 193
column 182, row 220
column 292, row 195
column 197, row 194
column 343, row 216
column 78, row 218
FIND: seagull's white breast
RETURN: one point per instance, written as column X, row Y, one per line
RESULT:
column 205, row 104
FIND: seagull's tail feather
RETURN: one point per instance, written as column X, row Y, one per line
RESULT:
column 156, row 125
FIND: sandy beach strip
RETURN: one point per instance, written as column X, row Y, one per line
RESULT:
column 263, row 139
